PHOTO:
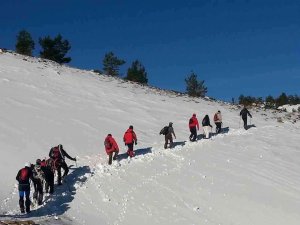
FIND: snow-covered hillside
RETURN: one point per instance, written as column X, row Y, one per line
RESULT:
column 238, row 177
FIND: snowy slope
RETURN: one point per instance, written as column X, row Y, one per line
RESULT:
column 238, row 177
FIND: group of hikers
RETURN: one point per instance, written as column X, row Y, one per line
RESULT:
column 130, row 138
column 42, row 176
column 42, row 173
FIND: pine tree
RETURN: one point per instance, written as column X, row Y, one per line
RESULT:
column 282, row 100
column 25, row 44
column 270, row 102
column 194, row 87
column 111, row 64
column 137, row 73
column 55, row 49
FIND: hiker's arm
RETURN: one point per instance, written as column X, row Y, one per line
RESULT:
column 67, row 155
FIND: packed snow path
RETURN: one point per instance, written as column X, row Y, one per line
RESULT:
column 198, row 182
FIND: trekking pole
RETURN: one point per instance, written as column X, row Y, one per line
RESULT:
column 76, row 162
column 240, row 123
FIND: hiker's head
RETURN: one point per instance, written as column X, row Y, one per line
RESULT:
column 109, row 135
column 130, row 127
column 170, row 124
column 194, row 115
column 28, row 164
column 38, row 162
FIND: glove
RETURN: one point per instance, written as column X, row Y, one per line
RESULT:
column 135, row 142
column 74, row 159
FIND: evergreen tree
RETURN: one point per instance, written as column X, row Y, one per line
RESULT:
column 282, row 100
column 194, row 87
column 111, row 64
column 55, row 49
column 25, row 44
column 270, row 102
column 137, row 73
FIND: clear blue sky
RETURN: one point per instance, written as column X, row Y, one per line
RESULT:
column 249, row 47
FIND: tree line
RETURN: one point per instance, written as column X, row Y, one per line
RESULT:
column 56, row 49
column 270, row 101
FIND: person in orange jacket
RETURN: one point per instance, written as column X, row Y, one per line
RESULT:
column 194, row 126
column 130, row 139
column 111, row 147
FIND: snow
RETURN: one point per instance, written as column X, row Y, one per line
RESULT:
column 237, row 177
column 290, row 108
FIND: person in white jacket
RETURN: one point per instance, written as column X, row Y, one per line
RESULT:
column 218, row 121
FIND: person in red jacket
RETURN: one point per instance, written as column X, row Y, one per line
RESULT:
column 111, row 147
column 130, row 139
column 194, row 126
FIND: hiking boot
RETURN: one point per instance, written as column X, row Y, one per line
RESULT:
column 22, row 210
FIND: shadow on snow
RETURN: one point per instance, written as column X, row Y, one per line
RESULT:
column 141, row 151
column 58, row 203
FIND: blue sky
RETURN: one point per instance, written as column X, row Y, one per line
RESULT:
column 249, row 47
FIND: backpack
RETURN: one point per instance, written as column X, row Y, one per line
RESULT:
column 164, row 130
column 38, row 172
column 24, row 175
column 56, row 153
column 191, row 121
column 129, row 136
column 215, row 117
column 107, row 144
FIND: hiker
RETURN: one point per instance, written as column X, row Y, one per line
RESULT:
column 244, row 112
column 169, row 137
column 206, row 125
column 58, row 155
column 129, row 139
column 194, row 126
column 39, row 179
column 23, row 177
column 49, row 175
column 218, row 121
column 111, row 147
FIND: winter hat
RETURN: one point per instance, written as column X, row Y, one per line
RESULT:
column 28, row 164
column 130, row 127
column 109, row 135
column 170, row 124
column 38, row 162
column 194, row 114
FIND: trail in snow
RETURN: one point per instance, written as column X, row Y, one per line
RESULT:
column 56, row 205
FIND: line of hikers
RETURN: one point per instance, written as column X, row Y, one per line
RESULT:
column 42, row 176
column 130, row 138
column 44, row 170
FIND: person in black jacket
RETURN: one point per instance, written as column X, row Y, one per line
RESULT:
column 206, row 124
column 23, row 177
column 39, row 179
column 58, row 155
column 49, row 174
column 244, row 112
